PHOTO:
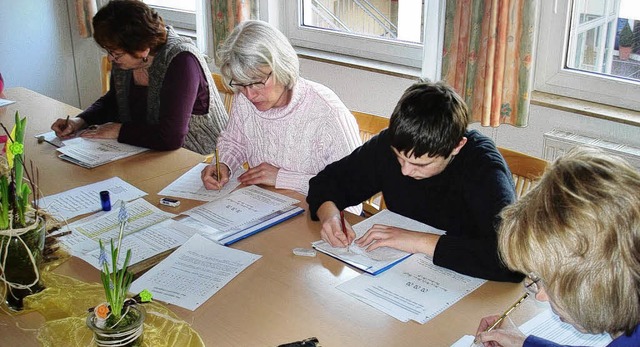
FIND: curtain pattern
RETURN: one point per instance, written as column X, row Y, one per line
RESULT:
column 85, row 10
column 226, row 14
column 487, row 57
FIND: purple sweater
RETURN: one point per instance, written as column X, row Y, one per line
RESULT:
column 184, row 92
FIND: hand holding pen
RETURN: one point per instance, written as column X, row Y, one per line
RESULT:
column 67, row 127
column 335, row 229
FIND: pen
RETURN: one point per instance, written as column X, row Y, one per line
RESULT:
column 506, row 313
column 66, row 123
column 344, row 227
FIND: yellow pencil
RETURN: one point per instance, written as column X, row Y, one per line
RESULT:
column 217, row 166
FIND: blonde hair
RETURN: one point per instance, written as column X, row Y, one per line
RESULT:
column 579, row 231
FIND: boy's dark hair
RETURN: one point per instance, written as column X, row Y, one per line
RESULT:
column 430, row 118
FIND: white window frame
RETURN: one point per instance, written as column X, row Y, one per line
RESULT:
column 551, row 76
column 421, row 57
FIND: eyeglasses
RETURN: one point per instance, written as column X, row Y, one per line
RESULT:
column 113, row 55
column 254, row 85
column 531, row 283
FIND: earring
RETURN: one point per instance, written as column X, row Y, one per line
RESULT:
column 145, row 59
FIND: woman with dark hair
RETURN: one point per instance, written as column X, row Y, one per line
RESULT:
column 162, row 95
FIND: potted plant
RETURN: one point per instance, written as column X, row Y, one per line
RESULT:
column 119, row 321
column 22, row 228
column 625, row 42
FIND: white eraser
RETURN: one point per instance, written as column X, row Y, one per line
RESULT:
column 305, row 252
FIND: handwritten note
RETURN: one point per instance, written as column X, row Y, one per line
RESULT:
column 194, row 272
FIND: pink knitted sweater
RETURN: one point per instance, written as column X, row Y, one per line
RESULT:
column 301, row 138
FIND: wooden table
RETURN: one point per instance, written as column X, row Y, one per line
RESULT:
column 280, row 298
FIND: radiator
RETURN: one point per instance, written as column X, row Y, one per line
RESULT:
column 558, row 142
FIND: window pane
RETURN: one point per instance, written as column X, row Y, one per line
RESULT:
column 388, row 19
column 597, row 42
column 184, row 5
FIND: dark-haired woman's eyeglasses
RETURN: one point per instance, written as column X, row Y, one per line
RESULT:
column 254, row 85
column 114, row 55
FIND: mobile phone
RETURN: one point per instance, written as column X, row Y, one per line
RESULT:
column 170, row 202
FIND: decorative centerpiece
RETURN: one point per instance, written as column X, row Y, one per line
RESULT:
column 119, row 321
column 22, row 227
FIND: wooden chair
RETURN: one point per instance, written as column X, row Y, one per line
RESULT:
column 105, row 68
column 225, row 92
column 526, row 169
column 370, row 125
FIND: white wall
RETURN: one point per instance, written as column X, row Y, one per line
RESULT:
column 377, row 93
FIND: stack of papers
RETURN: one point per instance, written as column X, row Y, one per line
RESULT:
column 415, row 289
column 242, row 213
column 90, row 153
column 193, row 273
column 380, row 259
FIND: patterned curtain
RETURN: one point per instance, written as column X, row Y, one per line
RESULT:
column 487, row 57
column 85, row 10
column 226, row 14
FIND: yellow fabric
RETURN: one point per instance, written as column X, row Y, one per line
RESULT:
column 64, row 304
column 7, row 149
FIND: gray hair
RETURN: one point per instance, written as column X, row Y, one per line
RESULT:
column 252, row 45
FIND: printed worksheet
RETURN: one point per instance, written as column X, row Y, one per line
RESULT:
column 379, row 259
column 415, row 289
column 86, row 199
column 193, row 273
column 189, row 186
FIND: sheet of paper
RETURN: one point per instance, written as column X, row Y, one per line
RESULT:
column 193, row 273
column 86, row 199
column 189, row 186
column 104, row 226
column 382, row 257
column 95, row 152
column 6, row 102
column 240, row 209
column 548, row 326
column 415, row 289
column 51, row 138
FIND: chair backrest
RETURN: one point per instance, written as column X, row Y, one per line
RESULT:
column 225, row 92
column 105, row 69
column 526, row 169
column 370, row 125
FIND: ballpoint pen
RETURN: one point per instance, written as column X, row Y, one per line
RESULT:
column 66, row 123
column 506, row 313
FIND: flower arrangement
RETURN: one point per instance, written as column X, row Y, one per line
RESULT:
column 22, row 228
column 118, row 313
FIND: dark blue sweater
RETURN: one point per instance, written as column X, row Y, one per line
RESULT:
column 464, row 200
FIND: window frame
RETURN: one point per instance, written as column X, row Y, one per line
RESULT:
column 551, row 76
column 420, row 57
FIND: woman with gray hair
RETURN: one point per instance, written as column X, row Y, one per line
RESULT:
column 285, row 127
column 577, row 236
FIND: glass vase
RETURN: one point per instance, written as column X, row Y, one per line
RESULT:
column 128, row 332
column 21, row 258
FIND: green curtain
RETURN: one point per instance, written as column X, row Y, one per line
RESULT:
column 487, row 57
column 225, row 14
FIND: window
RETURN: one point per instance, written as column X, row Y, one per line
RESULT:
column 588, row 62
column 187, row 17
column 392, row 31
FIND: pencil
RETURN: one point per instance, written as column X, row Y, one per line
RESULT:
column 506, row 313
column 217, row 166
